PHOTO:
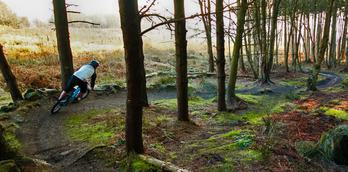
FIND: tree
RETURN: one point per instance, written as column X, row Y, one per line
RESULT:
column 63, row 41
column 313, row 78
column 220, row 49
column 332, row 56
column 9, row 77
column 205, row 7
column 8, row 18
column 181, row 60
column 130, row 24
column 344, row 37
column 233, row 100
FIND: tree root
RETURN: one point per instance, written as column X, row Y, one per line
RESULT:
column 163, row 165
column 87, row 152
column 236, row 103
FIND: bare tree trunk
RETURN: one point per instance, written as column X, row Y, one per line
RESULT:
column 9, row 77
column 313, row 37
column 312, row 80
column 130, row 24
column 332, row 55
column 273, row 36
column 181, row 60
column 233, row 100
column 319, row 27
column 220, row 49
column 63, row 41
column 344, row 37
column 205, row 7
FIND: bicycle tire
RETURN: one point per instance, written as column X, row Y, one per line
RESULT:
column 85, row 95
column 56, row 108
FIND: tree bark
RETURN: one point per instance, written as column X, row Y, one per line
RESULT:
column 130, row 24
column 312, row 80
column 63, row 41
column 332, row 55
column 233, row 100
column 205, row 7
column 273, row 33
column 220, row 49
column 181, row 60
column 9, row 77
column 344, row 37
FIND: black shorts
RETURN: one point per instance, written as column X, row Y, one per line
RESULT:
column 73, row 81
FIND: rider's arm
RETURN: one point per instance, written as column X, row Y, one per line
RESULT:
column 93, row 78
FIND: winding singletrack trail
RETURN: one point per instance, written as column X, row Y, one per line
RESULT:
column 43, row 134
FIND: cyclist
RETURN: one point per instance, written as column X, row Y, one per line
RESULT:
column 81, row 77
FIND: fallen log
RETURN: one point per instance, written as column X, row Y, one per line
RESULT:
column 162, row 164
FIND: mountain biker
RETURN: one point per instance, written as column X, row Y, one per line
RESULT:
column 81, row 77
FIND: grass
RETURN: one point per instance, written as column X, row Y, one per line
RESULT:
column 94, row 126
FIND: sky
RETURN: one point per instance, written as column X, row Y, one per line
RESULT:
column 42, row 9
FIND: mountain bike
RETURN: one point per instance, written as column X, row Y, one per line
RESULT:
column 66, row 100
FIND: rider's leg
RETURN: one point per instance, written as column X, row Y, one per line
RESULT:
column 62, row 95
column 69, row 86
column 83, row 87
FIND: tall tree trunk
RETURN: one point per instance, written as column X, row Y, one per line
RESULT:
column 264, row 37
column 313, row 37
column 144, row 99
column 247, row 40
column 63, row 41
column 344, row 37
column 220, row 49
column 233, row 100
column 273, row 36
column 286, row 43
column 130, row 24
column 241, row 61
column 298, row 42
column 9, row 77
column 319, row 32
column 181, row 60
column 332, row 55
column 312, row 80
column 205, row 7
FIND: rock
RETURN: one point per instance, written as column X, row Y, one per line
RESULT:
column 32, row 95
column 8, row 166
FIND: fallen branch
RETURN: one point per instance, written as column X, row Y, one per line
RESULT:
column 87, row 22
column 163, row 165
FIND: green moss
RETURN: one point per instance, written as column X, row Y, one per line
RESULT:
column 159, row 147
column 8, row 166
column 250, row 155
column 5, row 99
column 91, row 127
column 337, row 113
column 135, row 164
column 11, row 139
column 253, row 99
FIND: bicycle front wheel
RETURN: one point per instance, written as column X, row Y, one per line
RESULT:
column 56, row 108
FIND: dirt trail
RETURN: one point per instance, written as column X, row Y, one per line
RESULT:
column 44, row 137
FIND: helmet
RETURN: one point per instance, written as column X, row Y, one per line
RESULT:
column 94, row 63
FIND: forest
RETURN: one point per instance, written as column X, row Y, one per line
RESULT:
column 182, row 85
